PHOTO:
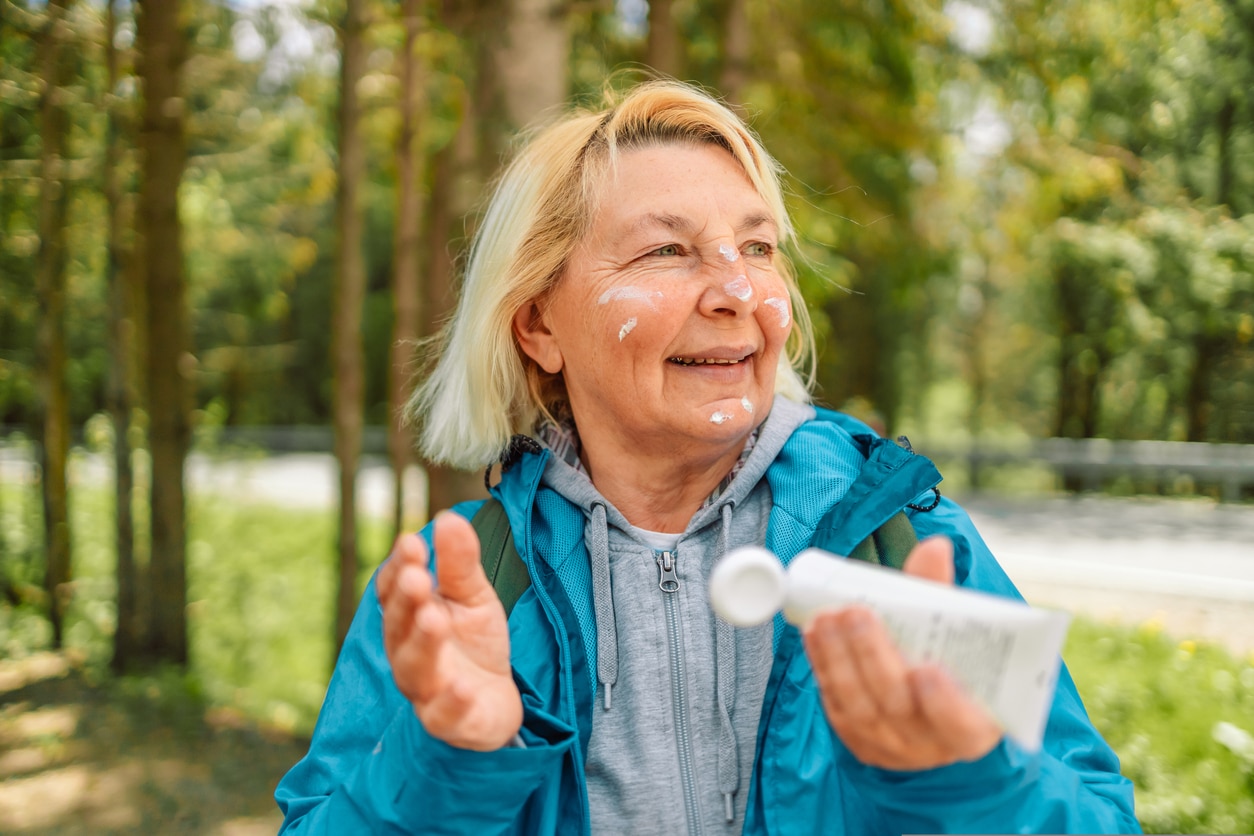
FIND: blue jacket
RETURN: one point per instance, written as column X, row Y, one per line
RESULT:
column 371, row 767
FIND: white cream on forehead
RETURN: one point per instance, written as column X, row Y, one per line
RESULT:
column 719, row 418
column 637, row 294
column 740, row 288
column 747, row 405
column 728, row 252
column 781, row 305
column 626, row 329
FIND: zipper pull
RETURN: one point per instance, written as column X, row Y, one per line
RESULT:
column 668, row 578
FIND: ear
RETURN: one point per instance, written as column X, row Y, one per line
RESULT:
column 531, row 329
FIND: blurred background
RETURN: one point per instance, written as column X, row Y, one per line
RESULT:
column 1026, row 238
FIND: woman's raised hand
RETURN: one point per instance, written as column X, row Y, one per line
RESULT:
column 887, row 713
column 447, row 640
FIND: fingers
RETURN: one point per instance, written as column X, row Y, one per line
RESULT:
column 403, row 585
column 409, row 549
column 458, row 570
column 932, row 560
column 959, row 722
column 889, row 714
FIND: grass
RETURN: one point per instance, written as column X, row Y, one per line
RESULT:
column 1180, row 715
column 260, row 590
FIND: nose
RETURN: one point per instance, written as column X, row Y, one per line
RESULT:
column 729, row 292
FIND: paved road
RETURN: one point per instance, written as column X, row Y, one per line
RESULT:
column 1188, row 564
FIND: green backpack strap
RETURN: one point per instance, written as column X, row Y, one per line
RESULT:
column 890, row 544
column 498, row 554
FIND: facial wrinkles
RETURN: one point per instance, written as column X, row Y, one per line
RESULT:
column 782, row 307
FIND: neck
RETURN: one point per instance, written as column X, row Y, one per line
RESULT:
column 657, row 493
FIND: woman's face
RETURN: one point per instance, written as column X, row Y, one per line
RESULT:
column 668, row 322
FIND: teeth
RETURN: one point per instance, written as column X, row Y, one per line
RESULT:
column 696, row 361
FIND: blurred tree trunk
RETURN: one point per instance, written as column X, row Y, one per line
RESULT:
column 130, row 637
column 531, row 63
column 662, row 50
column 1208, row 352
column 1225, row 173
column 50, row 291
column 407, row 299
column 162, row 144
column 518, row 77
column 452, row 183
column 347, row 353
column 736, row 43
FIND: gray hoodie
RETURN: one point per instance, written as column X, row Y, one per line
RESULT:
column 680, row 691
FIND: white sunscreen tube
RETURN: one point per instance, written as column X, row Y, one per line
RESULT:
column 1003, row 652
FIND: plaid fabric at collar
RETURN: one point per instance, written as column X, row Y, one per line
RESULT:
column 563, row 441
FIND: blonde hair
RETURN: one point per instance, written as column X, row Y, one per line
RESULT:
column 484, row 389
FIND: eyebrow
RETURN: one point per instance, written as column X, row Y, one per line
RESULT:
column 677, row 223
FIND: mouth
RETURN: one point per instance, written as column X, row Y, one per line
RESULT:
column 734, row 360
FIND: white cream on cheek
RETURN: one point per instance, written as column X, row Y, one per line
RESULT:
column 740, row 288
column 780, row 305
column 728, row 252
column 635, row 294
column 626, row 329
column 719, row 418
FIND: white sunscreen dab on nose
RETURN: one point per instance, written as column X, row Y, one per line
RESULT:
column 740, row 288
column 728, row 252
column 636, row 294
column 719, row 418
column 747, row 405
column 780, row 305
column 626, row 329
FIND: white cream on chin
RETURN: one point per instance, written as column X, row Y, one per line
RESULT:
column 720, row 418
column 781, row 305
column 635, row 294
column 626, row 329
column 740, row 288
column 746, row 405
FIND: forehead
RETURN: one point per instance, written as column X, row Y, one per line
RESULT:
column 669, row 184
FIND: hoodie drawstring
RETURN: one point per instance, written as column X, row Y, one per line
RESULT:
column 725, row 686
column 596, row 536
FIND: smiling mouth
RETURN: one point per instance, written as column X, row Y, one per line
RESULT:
column 706, row 361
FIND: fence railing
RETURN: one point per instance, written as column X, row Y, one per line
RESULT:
column 1087, row 461
column 1092, row 461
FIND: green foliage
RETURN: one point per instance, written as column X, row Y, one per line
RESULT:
column 1175, row 712
column 260, row 592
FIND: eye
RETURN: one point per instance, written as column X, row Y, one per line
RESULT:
column 759, row 248
column 669, row 249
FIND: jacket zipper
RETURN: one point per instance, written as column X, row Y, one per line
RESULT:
column 668, row 582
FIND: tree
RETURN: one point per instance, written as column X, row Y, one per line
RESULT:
column 350, row 283
column 54, row 401
column 407, row 299
column 160, row 54
column 130, row 636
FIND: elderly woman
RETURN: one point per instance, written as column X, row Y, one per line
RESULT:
column 628, row 311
